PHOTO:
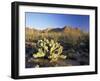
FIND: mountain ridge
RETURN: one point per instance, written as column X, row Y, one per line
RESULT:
column 63, row 29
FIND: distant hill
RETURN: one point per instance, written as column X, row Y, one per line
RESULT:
column 64, row 29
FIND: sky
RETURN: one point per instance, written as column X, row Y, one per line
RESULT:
column 47, row 20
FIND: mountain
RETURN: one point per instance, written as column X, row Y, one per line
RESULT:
column 47, row 30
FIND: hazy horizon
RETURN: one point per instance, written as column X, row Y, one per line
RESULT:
column 51, row 28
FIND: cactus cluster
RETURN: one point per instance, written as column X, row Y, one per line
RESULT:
column 49, row 49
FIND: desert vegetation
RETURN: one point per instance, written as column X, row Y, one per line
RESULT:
column 51, row 47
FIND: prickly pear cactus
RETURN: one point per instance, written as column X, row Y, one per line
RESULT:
column 50, row 49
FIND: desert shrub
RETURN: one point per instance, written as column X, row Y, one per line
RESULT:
column 49, row 49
